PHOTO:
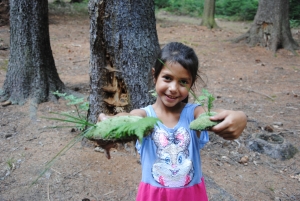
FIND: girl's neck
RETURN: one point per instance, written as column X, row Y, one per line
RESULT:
column 168, row 115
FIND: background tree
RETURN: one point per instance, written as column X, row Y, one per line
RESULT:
column 271, row 27
column 4, row 12
column 208, row 17
column 76, row 1
column 123, row 46
column 31, row 68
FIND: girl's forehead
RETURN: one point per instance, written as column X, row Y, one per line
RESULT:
column 176, row 70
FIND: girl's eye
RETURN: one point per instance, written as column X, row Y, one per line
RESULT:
column 167, row 78
column 183, row 82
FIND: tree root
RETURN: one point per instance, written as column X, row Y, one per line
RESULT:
column 33, row 109
column 240, row 38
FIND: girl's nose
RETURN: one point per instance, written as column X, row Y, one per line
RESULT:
column 173, row 87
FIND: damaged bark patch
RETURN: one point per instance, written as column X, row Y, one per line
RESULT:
column 116, row 90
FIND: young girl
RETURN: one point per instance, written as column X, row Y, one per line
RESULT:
column 170, row 157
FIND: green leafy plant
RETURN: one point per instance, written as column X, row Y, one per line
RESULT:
column 78, row 103
column 153, row 92
column 203, row 122
column 3, row 65
column 122, row 127
column 81, row 108
column 11, row 163
column 204, row 98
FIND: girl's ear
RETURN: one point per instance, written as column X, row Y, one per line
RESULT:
column 153, row 71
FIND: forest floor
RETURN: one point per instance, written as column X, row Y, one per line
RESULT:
column 252, row 79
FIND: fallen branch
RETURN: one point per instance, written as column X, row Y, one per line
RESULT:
column 251, row 90
column 109, row 193
column 79, row 61
column 48, row 194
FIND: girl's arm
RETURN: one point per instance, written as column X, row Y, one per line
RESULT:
column 232, row 125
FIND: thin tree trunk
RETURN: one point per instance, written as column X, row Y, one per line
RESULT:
column 208, row 17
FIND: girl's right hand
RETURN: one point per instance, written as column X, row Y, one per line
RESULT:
column 101, row 117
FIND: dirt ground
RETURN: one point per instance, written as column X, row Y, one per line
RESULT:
column 265, row 86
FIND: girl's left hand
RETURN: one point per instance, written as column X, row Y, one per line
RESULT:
column 232, row 125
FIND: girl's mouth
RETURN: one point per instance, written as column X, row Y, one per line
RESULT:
column 171, row 97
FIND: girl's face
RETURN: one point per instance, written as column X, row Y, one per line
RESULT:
column 172, row 84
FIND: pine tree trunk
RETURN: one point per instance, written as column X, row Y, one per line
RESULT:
column 31, row 69
column 208, row 17
column 271, row 27
column 124, row 45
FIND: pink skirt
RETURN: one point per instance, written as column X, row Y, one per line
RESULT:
column 146, row 192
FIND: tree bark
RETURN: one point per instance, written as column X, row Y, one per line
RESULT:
column 124, row 46
column 31, row 68
column 271, row 27
column 208, row 17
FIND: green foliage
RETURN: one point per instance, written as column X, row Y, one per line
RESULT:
column 206, row 98
column 241, row 10
column 122, row 127
column 61, row 7
column 10, row 162
column 294, row 13
column 153, row 93
column 162, row 4
column 181, row 7
column 231, row 9
column 73, row 100
column 294, row 23
column 81, row 108
column 4, row 64
column 203, row 122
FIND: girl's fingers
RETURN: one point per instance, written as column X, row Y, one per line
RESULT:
column 219, row 116
column 232, row 125
column 102, row 117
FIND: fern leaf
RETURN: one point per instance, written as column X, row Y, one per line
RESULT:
column 121, row 127
column 140, row 129
column 203, row 122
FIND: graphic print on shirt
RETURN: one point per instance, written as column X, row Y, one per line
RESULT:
column 173, row 167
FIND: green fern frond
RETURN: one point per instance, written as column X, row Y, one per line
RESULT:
column 140, row 129
column 122, row 127
column 203, row 122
